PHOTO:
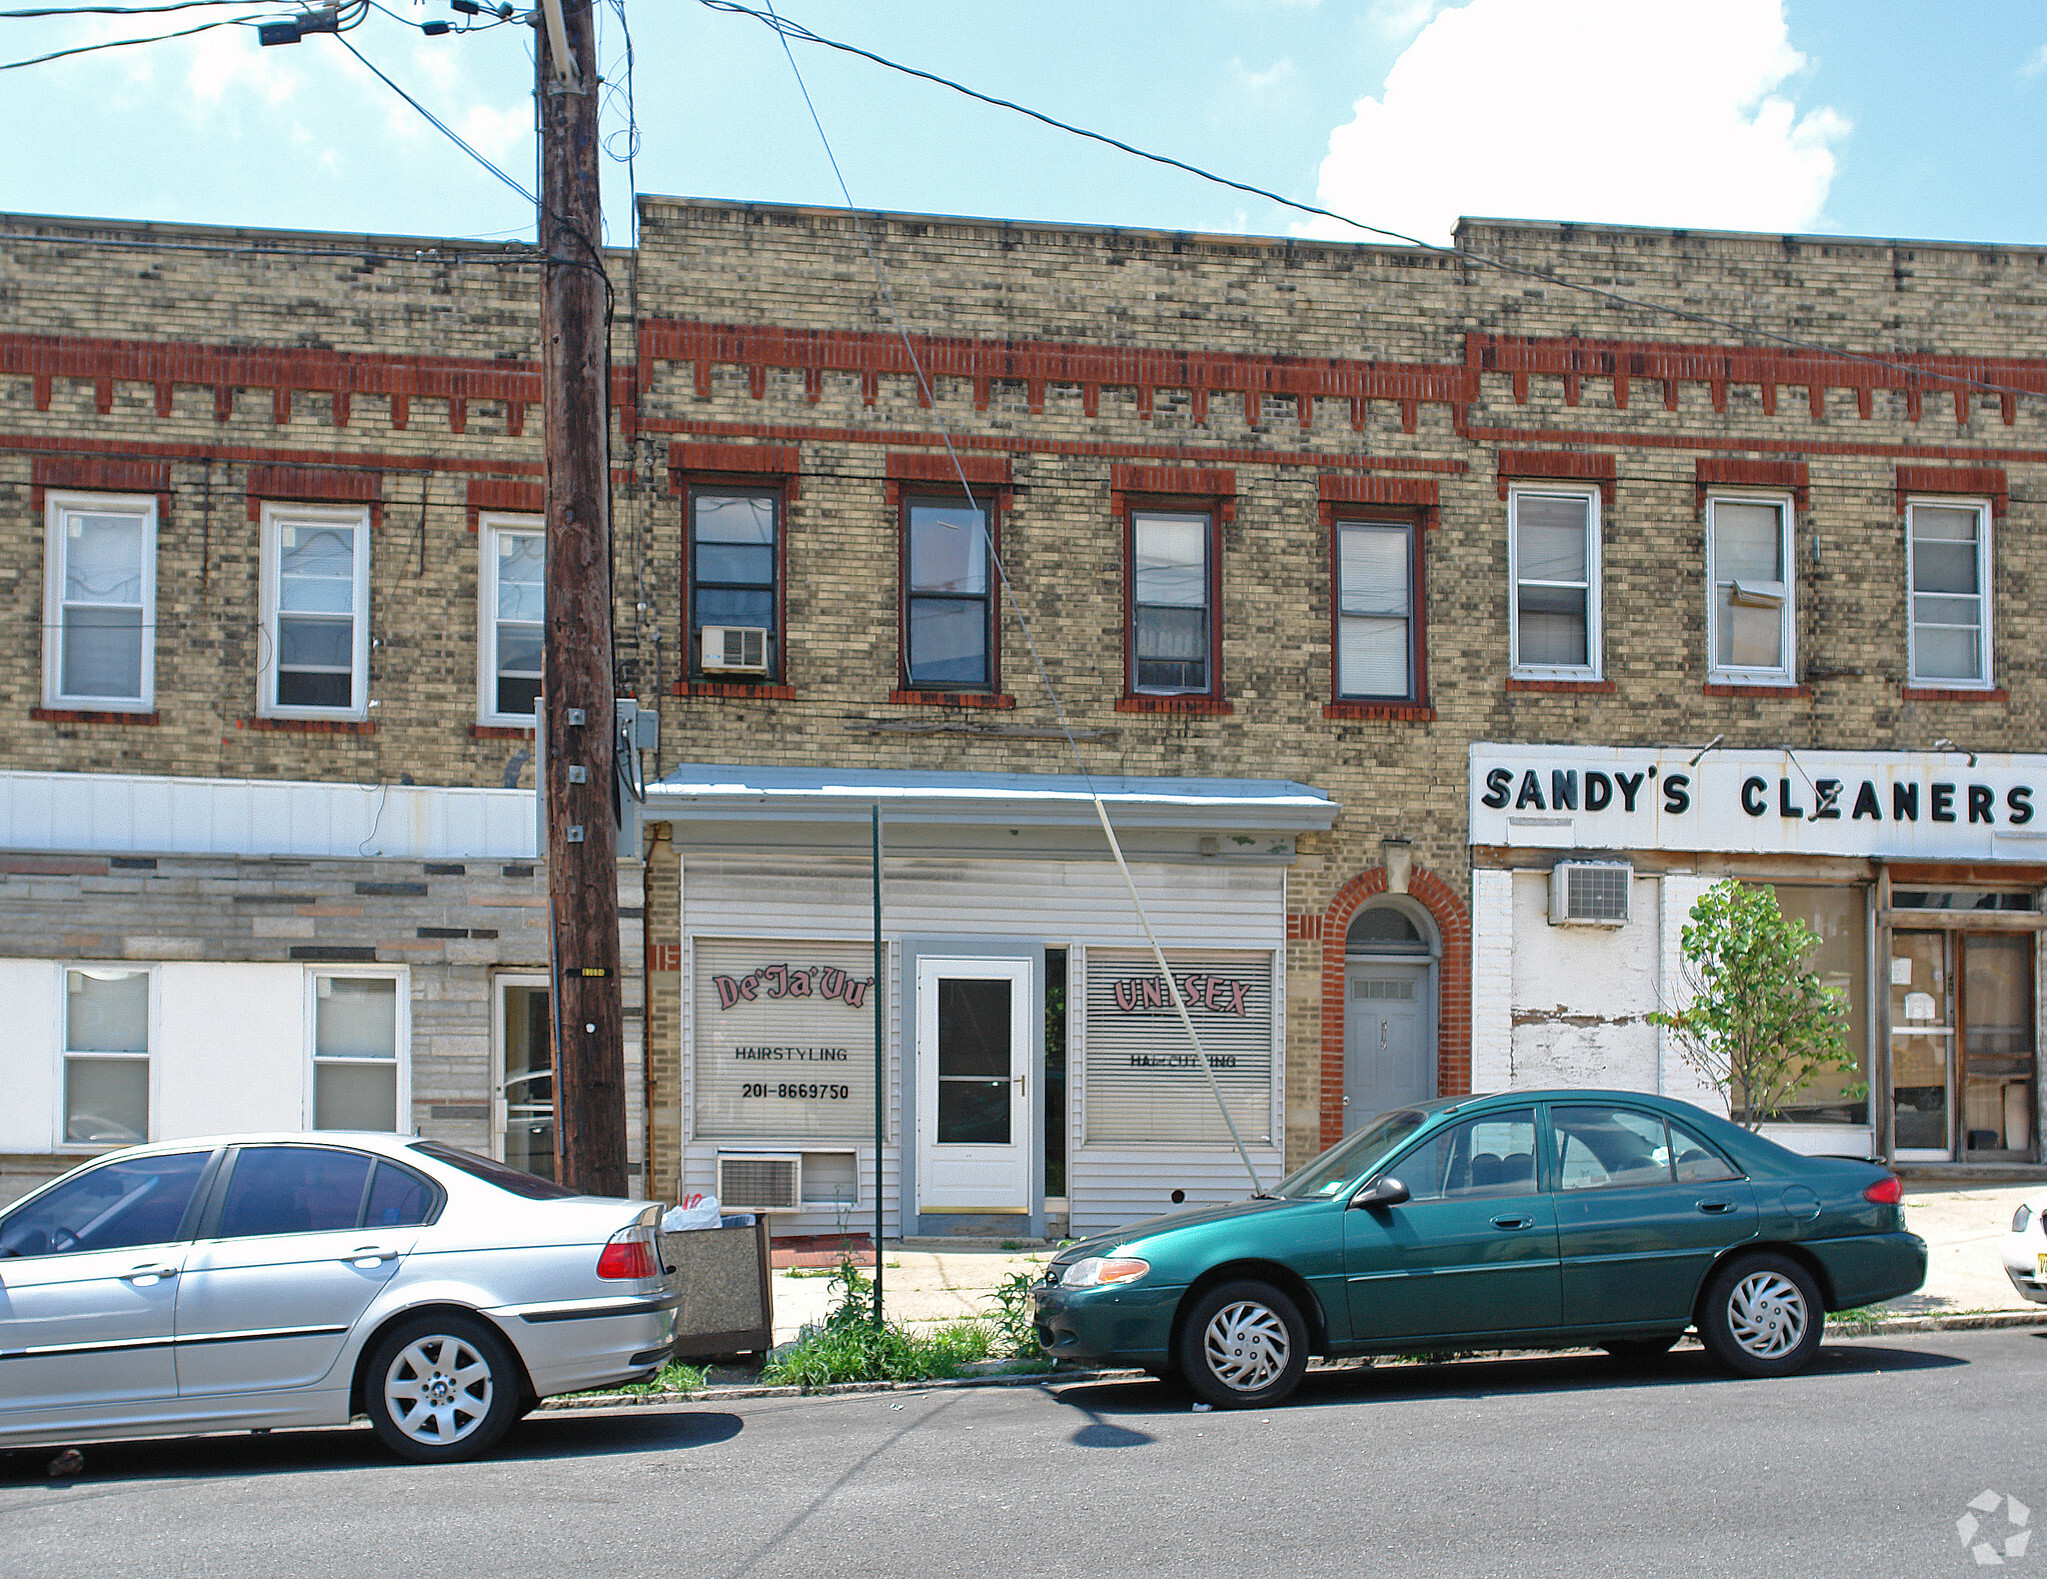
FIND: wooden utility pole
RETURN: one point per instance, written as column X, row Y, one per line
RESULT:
column 582, row 846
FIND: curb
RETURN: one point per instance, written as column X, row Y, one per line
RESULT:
column 1985, row 1320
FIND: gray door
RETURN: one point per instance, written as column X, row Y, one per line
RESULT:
column 1388, row 1056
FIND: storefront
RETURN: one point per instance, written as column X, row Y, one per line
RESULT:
column 1921, row 872
column 1035, row 1075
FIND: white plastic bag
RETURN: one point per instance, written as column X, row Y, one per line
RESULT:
column 693, row 1211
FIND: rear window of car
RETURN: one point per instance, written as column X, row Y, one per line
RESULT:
column 511, row 1180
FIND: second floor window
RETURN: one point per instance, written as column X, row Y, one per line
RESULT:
column 100, row 612
column 1748, row 549
column 1375, row 611
column 734, row 557
column 948, row 597
column 1553, row 537
column 1172, row 585
column 1948, row 582
column 513, row 587
column 316, row 573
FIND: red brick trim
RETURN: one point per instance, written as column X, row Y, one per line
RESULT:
column 1766, row 692
column 664, row 958
column 1719, row 471
column 500, row 731
column 1922, row 693
column 1209, row 482
column 1980, row 481
column 77, row 715
column 1303, row 926
column 1565, row 687
column 1216, row 706
column 310, row 726
column 100, row 474
column 1555, row 465
column 315, row 484
column 1413, row 712
column 1479, row 433
column 772, row 459
column 1453, row 984
column 925, row 466
column 952, row 699
column 252, row 454
column 1337, row 489
column 513, row 497
column 734, row 690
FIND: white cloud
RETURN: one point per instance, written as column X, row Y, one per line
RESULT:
column 1591, row 110
column 1261, row 82
column 230, row 57
column 1400, row 18
column 2035, row 63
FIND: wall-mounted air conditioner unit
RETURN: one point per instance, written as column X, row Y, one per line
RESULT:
column 736, row 649
column 760, row 1181
column 1590, row 893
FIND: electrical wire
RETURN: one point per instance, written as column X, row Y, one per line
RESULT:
column 1020, row 609
column 437, row 123
column 788, row 30
column 124, row 43
column 113, row 10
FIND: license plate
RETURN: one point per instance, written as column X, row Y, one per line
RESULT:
column 2040, row 1268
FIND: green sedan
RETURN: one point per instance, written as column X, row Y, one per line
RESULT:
column 1527, row 1220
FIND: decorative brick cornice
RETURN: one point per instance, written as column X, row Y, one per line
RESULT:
column 1556, row 465
column 512, row 496
column 1413, row 491
column 1720, row 471
column 942, row 466
column 100, row 474
column 1977, row 481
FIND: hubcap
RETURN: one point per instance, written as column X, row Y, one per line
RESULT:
column 1766, row 1315
column 438, row 1389
column 1246, row 1346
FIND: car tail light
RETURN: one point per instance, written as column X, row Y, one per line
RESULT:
column 627, row 1254
column 1887, row 1191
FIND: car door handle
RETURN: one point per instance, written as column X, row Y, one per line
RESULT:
column 1513, row 1222
column 369, row 1255
column 137, row 1274
column 1716, row 1207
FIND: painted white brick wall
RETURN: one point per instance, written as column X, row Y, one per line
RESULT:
column 1492, row 979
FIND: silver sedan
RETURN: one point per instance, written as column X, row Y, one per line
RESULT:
column 263, row 1281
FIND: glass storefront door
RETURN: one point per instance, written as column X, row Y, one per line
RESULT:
column 1922, row 1046
column 523, row 1111
column 1962, row 1056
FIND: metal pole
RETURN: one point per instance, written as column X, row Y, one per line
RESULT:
column 578, row 728
column 880, row 1059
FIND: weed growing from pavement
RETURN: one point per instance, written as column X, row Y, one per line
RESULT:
column 674, row 1377
column 1015, row 1333
column 854, row 1345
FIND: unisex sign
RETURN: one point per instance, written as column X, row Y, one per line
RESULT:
column 1144, row 1081
column 1906, row 805
column 784, row 1038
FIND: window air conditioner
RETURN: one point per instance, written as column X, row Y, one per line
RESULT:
column 736, row 649
column 1590, row 893
column 760, row 1182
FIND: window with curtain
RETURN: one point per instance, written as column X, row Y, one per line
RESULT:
column 1375, row 604
column 101, row 609
column 1749, row 619
column 1172, row 630
column 514, row 588
column 316, row 657
column 1555, row 617
column 106, row 1057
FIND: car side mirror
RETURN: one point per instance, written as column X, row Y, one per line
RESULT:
column 1382, row 1191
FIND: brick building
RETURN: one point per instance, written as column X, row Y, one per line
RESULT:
column 1433, row 634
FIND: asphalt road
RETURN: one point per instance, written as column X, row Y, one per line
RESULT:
column 1569, row 1465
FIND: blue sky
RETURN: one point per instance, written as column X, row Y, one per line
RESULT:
column 1865, row 117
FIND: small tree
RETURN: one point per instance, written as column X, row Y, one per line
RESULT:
column 1757, row 1023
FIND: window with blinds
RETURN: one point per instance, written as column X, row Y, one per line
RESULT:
column 1375, row 610
column 1144, row 1080
column 784, row 1037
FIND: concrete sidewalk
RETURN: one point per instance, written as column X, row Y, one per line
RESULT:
column 1960, row 1223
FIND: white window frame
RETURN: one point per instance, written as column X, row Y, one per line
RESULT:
column 60, row 1141
column 1984, row 593
column 1787, row 534
column 489, row 528
column 1595, row 625
column 275, row 518
column 57, row 506
column 401, row 1036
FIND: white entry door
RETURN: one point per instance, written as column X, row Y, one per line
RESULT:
column 973, row 1085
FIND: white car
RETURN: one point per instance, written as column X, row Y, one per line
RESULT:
column 2025, row 1249
column 263, row 1281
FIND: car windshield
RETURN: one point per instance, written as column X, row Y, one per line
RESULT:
column 530, row 1185
column 1349, row 1160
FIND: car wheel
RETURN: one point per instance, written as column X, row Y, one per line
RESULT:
column 1641, row 1348
column 1243, row 1345
column 441, row 1388
column 1762, row 1316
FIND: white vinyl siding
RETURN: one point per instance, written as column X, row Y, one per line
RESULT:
column 511, row 586
column 314, row 657
column 1554, row 613
column 1375, row 610
column 1749, row 618
column 99, row 621
column 1947, row 572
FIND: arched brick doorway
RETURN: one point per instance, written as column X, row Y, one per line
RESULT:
column 1453, row 994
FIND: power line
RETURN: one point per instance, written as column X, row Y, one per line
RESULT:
column 787, row 30
column 437, row 123
column 113, row 10
column 124, row 43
